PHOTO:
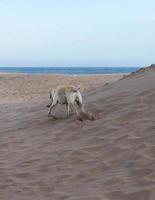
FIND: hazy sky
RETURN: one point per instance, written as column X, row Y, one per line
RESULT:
column 77, row 32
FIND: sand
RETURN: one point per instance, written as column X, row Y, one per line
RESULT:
column 111, row 158
column 28, row 87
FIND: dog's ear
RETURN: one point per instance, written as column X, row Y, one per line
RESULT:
column 80, row 88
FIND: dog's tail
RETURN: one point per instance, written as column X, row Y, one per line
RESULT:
column 51, row 99
column 50, row 93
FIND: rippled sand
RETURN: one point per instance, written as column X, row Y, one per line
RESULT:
column 111, row 158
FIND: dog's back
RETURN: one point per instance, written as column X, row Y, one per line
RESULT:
column 69, row 88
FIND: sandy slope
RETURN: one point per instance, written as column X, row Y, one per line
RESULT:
column 112, row 158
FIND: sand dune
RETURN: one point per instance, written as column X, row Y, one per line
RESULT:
column 111, row 158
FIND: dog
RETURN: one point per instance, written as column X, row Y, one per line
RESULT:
column 67, row 95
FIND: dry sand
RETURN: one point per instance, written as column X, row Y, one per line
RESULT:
column 111, row 158
column 26, row 87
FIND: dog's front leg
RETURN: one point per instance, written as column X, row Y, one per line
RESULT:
column 75, row 106
column 82, row 107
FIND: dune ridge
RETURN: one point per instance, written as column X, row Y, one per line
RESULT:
column 111, row 158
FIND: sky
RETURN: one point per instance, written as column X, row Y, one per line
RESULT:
column 77, row 33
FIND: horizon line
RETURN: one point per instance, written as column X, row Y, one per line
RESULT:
column 67, row 66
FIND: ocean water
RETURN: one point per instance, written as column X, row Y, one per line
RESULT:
column 68, row 70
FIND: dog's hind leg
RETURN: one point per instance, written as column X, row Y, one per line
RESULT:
column 69, row 108
column 48, row 105
column 54, row 103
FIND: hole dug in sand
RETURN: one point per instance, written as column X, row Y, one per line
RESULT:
column 85, row 116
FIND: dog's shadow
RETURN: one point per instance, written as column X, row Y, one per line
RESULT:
column 81, row 117
column 54, row 118
column 86, row 116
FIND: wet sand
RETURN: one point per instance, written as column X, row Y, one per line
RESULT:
column 111, row 158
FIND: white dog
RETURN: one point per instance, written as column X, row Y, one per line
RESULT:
column 68, row 95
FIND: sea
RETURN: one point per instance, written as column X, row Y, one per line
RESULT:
column 68, row 70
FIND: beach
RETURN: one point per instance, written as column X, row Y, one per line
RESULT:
column 23, row 87
column 110, row 158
